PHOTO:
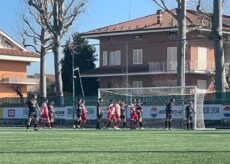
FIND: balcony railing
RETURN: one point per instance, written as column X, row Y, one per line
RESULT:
column 10, row 79
column 190, row 66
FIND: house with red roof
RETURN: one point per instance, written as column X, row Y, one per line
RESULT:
column 14, row 60
column 143, row 52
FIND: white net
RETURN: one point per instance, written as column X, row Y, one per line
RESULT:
column 155, row 99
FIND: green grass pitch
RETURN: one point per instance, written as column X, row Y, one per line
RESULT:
column 109, row 146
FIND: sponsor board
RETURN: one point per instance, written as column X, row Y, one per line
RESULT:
column 11, row 113
column 1, row 112
column 210, row 112
column 226, row 111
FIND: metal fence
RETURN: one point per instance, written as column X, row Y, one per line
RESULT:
column 68, row 101
column 210, row 98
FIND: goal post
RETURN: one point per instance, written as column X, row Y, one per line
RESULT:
column 155, row 100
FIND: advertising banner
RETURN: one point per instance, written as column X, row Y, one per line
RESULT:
column 210, row 112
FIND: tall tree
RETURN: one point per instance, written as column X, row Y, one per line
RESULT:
column 84, row 58
column 180, row 16
column 217, row 37
column 64, row 12
column 38, row 38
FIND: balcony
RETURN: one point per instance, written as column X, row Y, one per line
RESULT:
column 10, row 79
column 190, row 67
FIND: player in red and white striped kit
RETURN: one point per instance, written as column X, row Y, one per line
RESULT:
column 117, row 114
column 134, row 115
column 45, row 114
column 111, row 109
column 84, row 114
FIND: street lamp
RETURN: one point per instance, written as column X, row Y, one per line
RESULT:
column 82, row 90
column 73, row 79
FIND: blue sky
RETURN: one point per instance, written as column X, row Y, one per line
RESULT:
column 98, row 13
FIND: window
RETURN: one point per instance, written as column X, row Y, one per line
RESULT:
column 170, row 33
column 171, row 58
column 137, row 56
column 202, row 59
column 105, row 58
column 138, row 37
column 202, row 84
column 115, row 57
column 137, row 84
column 112, row 38
column 110, row 85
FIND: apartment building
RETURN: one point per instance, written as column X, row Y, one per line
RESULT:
column 143, row 52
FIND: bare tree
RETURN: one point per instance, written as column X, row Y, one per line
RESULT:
column 38, row 35
column 64, row 12
column 217, row 37
column 19, row 90
column 180, row 16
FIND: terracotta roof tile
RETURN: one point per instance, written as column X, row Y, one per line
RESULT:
column 150, row 22
column 17, row 52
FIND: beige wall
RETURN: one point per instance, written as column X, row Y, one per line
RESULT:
column 7, row 91
column 12, row 69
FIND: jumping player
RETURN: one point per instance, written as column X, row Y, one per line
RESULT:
column 189, row 111
column 168, row 113
column 33, row 112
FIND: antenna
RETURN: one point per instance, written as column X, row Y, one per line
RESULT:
column 130, row 4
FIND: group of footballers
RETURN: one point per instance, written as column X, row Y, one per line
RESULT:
column 42, row 115
column 117, row 114
column 189, row 111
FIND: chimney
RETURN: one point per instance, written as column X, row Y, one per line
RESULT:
column 159, row 16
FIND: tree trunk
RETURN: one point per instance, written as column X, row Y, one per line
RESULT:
column 43, row 92
column 181, row 17
column 57, row 65
column 217, row 37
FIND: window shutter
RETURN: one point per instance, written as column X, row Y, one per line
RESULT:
column 118, row 57
column 105, row 58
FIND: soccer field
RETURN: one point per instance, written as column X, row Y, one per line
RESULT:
column 109, row 146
